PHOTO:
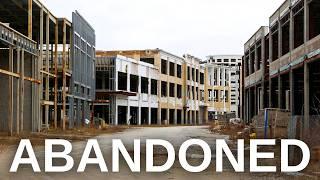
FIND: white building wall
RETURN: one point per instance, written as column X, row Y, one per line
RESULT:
column 141, row 100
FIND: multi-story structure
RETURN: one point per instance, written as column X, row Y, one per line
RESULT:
column 32, row 39
column 167, row 83
column 194, row 101
column 281, row 63
column 223, row 84
column 131, row 87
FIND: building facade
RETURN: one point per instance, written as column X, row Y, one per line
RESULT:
column 281, row 64
column 37, row 66
column 175, row 84
column 223, row 84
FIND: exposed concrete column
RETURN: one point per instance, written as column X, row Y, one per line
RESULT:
column 292, row 92
column 30, row 18
column 306, row 100
column 175, row 117
column 116, row 120
column 140, row 99
column 280, row 92
column 128, row 114
column 149, row 100
column 256, row 58
column 168, row 116
column 291, row 32
column 306, row 21
column 256, row 105
column 280, row 39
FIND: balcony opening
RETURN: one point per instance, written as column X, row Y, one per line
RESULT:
column 122, row 81
column 144, row 85
column 275, row 46
column 179, row 91
column 247, row 73
column 193, row 74
column 201, row 78
column 285, row 34
column 188, row 69
column 164, row 89
column 179, row 71
column 171, row 93
column 134, row 83
column 144, row 115
column 252, row 60
column 259, row 60
column 314, row 21
column 171, row 69
column 122, row 115
column 164, row 68
column 298, row 19
column 147, row 60
column 154, row 87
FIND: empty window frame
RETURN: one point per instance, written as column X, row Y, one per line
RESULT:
column 134, row 83
column 144, row 85
column 201, row 78
column 179, row 71
column 164, row 89
column 179, row 91
column 171, row 88
column 171, row 67
column 147, row 60
column 164, row 67
column 298, row 18
column 314, row 19
column 122, row 81
column 154, row 87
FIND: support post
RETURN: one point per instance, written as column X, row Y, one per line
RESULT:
column 64, row 94
column 10, row 90
column 18, row 93
column 22, row 91
column 280, row 92
column 30, row 18
column 56, row 76
column 47, row 69
column 306, row 101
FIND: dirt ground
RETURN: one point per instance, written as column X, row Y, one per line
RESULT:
column 37, row 139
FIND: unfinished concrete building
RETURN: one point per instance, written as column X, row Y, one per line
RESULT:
column 224, row 73
column 281, row 65
column 169, row 76
column 31, row 39
column 129, row 87
column 194, row 100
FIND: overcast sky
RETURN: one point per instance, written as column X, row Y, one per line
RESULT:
column 197, row 27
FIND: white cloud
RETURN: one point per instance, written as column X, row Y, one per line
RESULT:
column 198, row 27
